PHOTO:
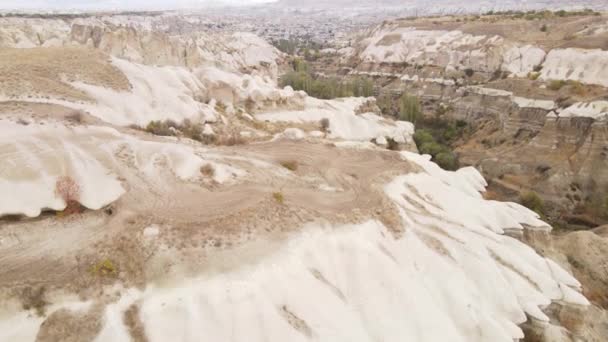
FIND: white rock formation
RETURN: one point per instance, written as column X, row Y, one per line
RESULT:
column 586, row 66
column 451, row 276
column 34, row 157
column 344, row 123
column 596, row 110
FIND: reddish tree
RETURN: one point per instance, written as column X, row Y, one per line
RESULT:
column 67, row 189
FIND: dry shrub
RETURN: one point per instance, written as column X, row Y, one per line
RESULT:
column 578, row 88
column 324, row 123
column 278, row 196
column 231, row 140
column 105, row 268
column 191, row 130
column 290, row 165
column 34, row 299
column 208, row 170
column 69, row 191
column 162, row 128
column 75, row 116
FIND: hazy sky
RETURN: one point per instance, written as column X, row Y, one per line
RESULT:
column 117, row 4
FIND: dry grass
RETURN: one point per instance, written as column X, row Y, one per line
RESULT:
column 105, row 268
column 291, row 165
column 556, row 85
column 231, row 140
column 278, row 197
column 44, row 72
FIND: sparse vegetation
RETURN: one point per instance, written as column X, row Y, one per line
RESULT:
column 533, row 75
column 191, row 131
column 469, row 72
column 325, row 87
column 556, row 85
column 68, row 190
column 186, row 129
column 540, row 15
column 324, row 124
column 532, row 201
column 34, row 298
column 278, row 197
column 574, row 87
column 207, row 170
column 544, row 28
column 105, row 268
column 162, row 128
column 230, row 140
column 75, row 116
column 409, row 108
column 291, row 165
column 437, row 138
column 577, row 88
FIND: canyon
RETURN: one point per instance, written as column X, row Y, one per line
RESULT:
column 158, row 183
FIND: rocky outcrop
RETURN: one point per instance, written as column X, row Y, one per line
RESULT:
column 237, row 52
column 585, row 254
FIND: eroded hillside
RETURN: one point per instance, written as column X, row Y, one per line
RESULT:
column 529, row 87
column 157, row 186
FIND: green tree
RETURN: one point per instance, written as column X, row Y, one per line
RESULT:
column 409, row 108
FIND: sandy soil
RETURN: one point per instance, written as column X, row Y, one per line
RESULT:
column 194, row 219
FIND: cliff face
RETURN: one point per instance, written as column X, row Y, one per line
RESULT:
column 536, row 103
column 134, row 41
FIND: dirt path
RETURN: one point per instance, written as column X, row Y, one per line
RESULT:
column 330, row 183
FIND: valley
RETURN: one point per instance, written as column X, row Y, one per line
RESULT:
column 433, row 178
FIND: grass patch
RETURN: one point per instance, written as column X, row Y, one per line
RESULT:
column 105, row 268
column 325, row 87
column 556, row 85
column 291, row 165
column 278, row 197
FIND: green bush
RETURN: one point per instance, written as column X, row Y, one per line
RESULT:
column 441, row 153
column 447, row 160
column 422, row 136
column 327, row 88
column 432, row 148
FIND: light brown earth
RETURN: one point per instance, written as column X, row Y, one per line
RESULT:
column 72, row 253
column 47, row 72
column 562, row 32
